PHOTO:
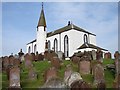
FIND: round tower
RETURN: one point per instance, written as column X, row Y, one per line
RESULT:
column 41, row 33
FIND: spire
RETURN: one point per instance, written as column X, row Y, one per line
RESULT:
column 42, row 21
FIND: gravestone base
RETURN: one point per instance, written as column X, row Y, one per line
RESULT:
column 14, row 88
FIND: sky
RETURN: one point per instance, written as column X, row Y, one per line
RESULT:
column 20, row 19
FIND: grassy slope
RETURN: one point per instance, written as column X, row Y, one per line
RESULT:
column 40, row 67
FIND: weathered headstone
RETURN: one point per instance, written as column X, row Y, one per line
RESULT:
column 117, row 55
column 84, row 65
column 33, row 56
column 20, row 53
column 17, row 62
column 107, row 55
column 99, row 55
column 93, row 54
column 54, row 83
column 50, row 73
column 116, row 83
column 55, row 62
column 32, row 74
column 11, row 60
column 5, row 63
column 28, row 61
column 67, row 73
column 75, row 59
column 75, row 76
column 117, row 66
column 60, row 55
column 14, row 77
column 98, row 72
column 80, row 85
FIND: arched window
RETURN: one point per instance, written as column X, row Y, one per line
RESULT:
column 85, row 38
column 66, row 46
column 29, row 49
column 35, row 48
column 55, row 45
column 49, row 45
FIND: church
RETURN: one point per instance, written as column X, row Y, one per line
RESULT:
column 68, row 39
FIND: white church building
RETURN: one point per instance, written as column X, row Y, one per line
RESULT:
column 68, row 39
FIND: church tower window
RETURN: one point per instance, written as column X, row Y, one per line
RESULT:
column 66, row 46
column 55, row 45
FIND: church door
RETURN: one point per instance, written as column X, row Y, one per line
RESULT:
column 66, row 46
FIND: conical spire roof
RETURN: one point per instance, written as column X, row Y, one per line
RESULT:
column 42, row 21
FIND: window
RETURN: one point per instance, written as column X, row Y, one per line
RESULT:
column 29, row 49
column 49, row 45
column 55, row 45
column 85, row 38
column 35, row 48
column 66, row 46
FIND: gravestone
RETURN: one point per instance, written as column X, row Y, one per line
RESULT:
column 33, row 56
column 80, row 85
column 28, row 61
column 55, row 62
column 75, row 59
column 117, row 66
column 84, row 65
column 17, row 62
column 5, row 62
column 11, row 60
column 20, row 53
column 99, row 55
column 54, row 83
column 93, row 54
column 14, row 77
column 107, row 55
column 101, row 86
column 116, row 83
column 67, row 73
column 32, row 75
column 75, row 76
column 60, row 55
column 117, row 55
column 50, row 73
column 98, row 72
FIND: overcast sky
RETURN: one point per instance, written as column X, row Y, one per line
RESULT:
column 19, row 22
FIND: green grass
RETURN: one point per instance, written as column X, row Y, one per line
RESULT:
column 40, row 68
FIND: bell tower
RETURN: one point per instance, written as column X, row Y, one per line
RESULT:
column 41, row 32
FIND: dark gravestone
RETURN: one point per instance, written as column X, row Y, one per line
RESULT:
column 80, row 85
column 32, row 74
column 93, row 54
column 33, row 56
column 99, row 55
column 50, row 73
column 98, row 72
column 117, row 55
column 75, row 59
column 55, row 62
column 28, row 61
column 14, row 77
column 41, row 57
column 67, row 73
column 17, row 62
column 84, row 65
column 20, row 53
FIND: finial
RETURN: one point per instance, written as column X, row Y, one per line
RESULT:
column 42, row 5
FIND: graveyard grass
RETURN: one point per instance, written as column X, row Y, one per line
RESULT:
column 40, row 68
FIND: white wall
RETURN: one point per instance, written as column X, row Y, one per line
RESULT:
column 92, row 39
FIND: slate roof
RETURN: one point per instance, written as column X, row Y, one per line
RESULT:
column 66, row 28
column 42, row 21
column 83, row 46
column 31, row 42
